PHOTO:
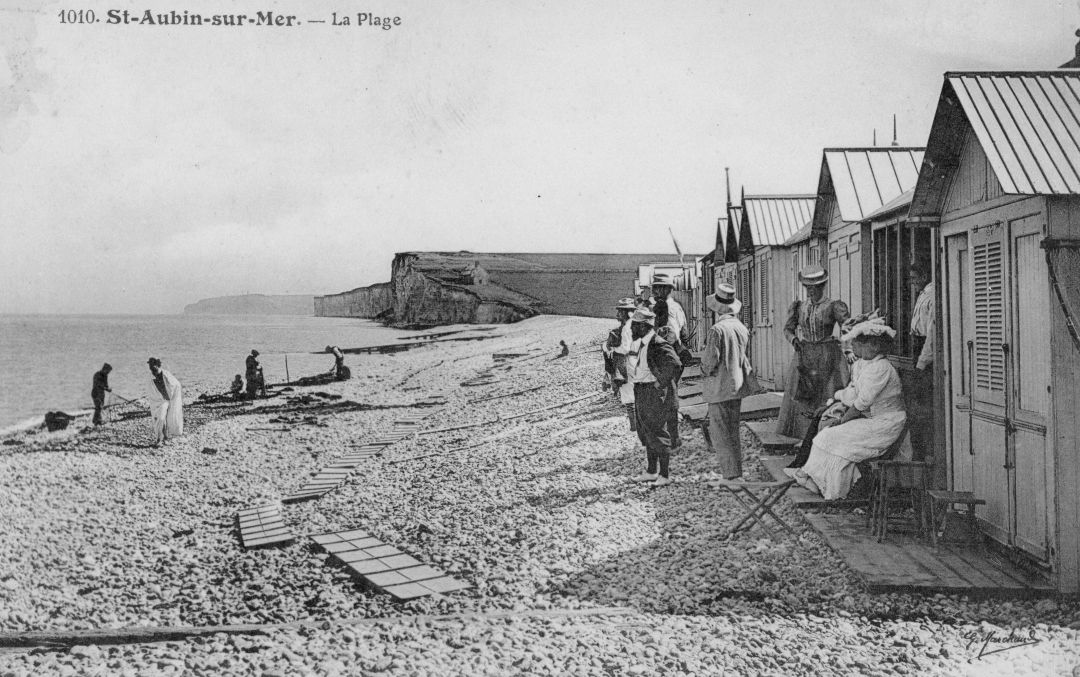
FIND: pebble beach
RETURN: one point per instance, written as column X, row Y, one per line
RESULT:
column 573, row 569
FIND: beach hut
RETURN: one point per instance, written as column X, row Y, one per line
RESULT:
column 767, row 223
column 852, row 184
column 1000, row 187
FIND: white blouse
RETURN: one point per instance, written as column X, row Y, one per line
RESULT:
column 874, row 389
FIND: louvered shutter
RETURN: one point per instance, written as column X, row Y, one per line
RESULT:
column 763, row 288
column 745, row 315
column 988, row 288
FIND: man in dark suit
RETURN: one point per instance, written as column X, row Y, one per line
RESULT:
column 653, row 368
column 98, row 390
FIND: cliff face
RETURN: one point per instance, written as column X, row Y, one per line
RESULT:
column 367, row 302
column 424, row 299
column 253, row 304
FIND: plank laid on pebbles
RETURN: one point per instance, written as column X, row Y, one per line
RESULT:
column 384, row 567
column 511, row 418
column 262, row 525
column 54, row 638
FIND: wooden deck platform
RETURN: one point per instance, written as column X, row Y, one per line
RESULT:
column 903, row 564
column 771, row 440
column 754, row 407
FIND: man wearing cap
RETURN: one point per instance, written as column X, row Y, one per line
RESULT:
column 724, row 366
column 98, row 390
column 615, row 351
column 653, row 367
column 670, row 324
column 818, row 368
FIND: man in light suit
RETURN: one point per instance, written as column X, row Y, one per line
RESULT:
column 724, row 366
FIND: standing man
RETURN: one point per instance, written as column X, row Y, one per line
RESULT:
column 919, row 390
column 671, row 325
column 98, row 390
column 922, row 317
column 168, row 415
column 251, row 373
column 653, row 367
column 615, row 350
column 724, row 366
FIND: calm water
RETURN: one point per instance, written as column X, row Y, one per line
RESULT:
column 47, row 362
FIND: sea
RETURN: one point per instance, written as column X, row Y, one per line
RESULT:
column 47, row 362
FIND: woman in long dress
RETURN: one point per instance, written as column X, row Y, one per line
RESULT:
column 873, row 421
column 167, row 415
column 818, row 368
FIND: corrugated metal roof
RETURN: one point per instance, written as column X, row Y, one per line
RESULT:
column 865, row 179
column 772, row 219
column 903, row 200
column 801, row 235
column 1028, row 124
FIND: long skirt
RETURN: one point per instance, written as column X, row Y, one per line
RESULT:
column 831, row 469
column 824, row 372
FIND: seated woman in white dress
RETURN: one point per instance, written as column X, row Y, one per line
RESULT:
column 874, row 418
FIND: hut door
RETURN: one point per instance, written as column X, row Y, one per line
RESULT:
column 960, row 346
column 998, row 346
column 1027, row 387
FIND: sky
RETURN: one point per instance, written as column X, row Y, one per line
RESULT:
column 143, row 167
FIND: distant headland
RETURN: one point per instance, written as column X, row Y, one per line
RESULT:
column 254, row 304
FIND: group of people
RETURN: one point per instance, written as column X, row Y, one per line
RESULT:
column 843, row 398
column 644, row 358
column 167, row 416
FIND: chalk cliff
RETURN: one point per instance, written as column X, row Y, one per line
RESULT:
column 254, row 304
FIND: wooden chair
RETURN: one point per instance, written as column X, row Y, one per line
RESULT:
column 900, row 485
column 758, row 500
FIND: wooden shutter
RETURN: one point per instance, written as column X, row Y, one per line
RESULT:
column 744, row 291
column 988, row 288
column 764, row 289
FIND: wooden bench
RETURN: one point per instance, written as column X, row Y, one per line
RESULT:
column 943, row 500
column 771, row 440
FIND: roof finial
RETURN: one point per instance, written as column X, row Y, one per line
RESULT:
column 727, row 182
column 894, row 142
column 875, row 136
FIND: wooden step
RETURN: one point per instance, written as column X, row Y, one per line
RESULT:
column 770, row 439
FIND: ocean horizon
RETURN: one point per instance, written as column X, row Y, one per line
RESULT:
column 48, row 361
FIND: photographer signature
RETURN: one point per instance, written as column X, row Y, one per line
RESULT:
column 987, row 639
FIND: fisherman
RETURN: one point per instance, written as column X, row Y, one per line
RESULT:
column 339, row 370
column 653, row 367
column 253, row 373
column 237, row 387
column 98, row 390
column 671, row 324
column 725, row 368
column 167, row 415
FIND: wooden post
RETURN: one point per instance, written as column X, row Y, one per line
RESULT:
column 287, row 379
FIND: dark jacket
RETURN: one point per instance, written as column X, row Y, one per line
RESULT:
column 664, row 362
column 101, row 384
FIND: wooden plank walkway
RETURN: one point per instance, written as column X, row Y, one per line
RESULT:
column 771, row 440
column 384, row 567
column 262, row 525
column 903, row 564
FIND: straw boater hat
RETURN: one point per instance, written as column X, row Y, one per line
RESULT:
column 723, row 302
column 811, row 276
column 627, row 303
column 662, row 280
column 872, row 327
column 645, row 316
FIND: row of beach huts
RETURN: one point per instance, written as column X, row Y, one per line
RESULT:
column 991, row 205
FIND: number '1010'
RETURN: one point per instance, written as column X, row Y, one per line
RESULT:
column 81, row 16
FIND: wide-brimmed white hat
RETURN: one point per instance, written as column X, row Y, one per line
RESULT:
column 723, row 301
column 627, row 303
column 644, row 315
column 873, row 327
